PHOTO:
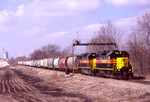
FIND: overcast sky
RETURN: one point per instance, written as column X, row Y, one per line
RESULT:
column 26, row 25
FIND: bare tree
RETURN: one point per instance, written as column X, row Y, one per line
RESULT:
column 67, row 51
column 51, row 50
column 36, row 55
column 48, row 51
column 108, row 33
column 143, row 28
column 136, row 53
column 138, row 44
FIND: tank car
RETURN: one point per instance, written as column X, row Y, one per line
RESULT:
column 63, row 63
column 56, row 63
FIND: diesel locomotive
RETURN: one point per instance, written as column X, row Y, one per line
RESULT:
column 113, row 63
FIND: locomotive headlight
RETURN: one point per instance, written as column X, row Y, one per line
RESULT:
column 129, row 69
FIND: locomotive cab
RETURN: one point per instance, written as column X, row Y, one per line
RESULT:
column 122, row 65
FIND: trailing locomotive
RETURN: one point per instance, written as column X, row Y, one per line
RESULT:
column 112, row 63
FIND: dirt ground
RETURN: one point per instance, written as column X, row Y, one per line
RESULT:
column 28, row 84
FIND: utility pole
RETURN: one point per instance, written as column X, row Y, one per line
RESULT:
column 73, row 58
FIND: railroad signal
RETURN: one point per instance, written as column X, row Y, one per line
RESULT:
column 78, row 43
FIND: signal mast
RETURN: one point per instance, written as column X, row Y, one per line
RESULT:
column 78, row 43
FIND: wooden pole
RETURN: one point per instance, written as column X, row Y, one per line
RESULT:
column 73, row 57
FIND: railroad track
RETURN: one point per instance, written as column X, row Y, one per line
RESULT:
column 135, row 79
column 140, row 81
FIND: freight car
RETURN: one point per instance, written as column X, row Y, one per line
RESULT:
column 112, row 63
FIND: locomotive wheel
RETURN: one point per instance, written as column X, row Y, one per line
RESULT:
column 127, row 76
column 124, row 75
column 89, row 72
column 110, row 74
column 96, row 72
column 78, row 70
column 82, row 71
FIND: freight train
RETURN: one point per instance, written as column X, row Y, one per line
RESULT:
column 112, row 63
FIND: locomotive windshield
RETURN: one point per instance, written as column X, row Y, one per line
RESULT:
column 115, row 54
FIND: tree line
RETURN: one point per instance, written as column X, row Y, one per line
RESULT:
column 137, row 43
column 50, row 51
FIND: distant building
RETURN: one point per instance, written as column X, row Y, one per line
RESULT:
column 6, row 55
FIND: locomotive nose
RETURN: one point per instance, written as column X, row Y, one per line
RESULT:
column 122, row 63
